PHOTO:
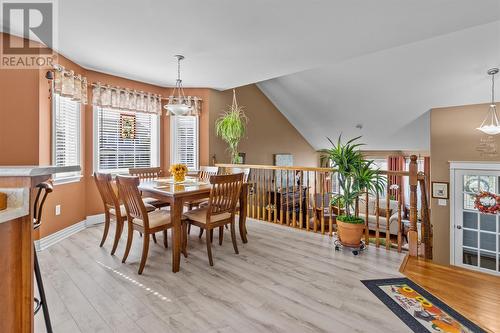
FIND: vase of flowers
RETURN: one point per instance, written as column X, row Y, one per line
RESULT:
column 179, row 172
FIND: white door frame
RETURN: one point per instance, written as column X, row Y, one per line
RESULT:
column 456, row 167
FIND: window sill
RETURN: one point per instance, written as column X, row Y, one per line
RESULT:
column 67, row 180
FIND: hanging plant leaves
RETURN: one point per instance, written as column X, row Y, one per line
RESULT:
column 231, row 127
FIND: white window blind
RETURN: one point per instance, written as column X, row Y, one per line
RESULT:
column 66, row 133
column 114, row 151
column 184, row 141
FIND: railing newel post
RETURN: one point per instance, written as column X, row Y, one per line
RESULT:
column 412, row 233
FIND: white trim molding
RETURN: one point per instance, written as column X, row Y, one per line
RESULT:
column 94, row 219
column 474, row 165
column 457, row 170
column 56, row 237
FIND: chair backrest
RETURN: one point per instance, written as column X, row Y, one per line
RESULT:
column 45, row 188
column 105, row 187
column 244, row 171
column 224, row 194
column 207, row 171
column 145, row 173
column 131, row 197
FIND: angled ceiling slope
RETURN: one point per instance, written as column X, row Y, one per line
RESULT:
column 390, row 92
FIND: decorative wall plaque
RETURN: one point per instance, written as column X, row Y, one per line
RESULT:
column 487, row 147
column 127, row 126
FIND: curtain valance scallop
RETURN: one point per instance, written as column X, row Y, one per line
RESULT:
column 68, row 84
column 125, row 99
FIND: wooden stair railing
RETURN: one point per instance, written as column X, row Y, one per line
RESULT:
column 299, row 197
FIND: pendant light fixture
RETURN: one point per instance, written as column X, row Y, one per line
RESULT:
column 178, row 105
column 490, row 124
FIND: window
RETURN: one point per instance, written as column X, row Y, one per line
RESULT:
column 65, row 135
column 184, row 141
column 380, row 164
column 125, row 139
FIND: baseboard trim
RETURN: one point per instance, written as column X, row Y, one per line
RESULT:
column 58, row 236
column 48, row 241
column 94, row 219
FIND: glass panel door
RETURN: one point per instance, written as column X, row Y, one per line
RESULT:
column 476, row 234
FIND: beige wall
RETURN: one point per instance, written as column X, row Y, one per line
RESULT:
column 454, row 137
column 268, row 131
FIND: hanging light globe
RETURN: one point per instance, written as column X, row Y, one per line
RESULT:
column 178, row 105
column 490, row 124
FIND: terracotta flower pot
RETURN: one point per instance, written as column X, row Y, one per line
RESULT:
column 350, row 234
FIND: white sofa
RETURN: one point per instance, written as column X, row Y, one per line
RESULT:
column 372, row 217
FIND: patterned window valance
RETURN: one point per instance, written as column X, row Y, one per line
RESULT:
column 125, row 99
column 193, row 101
column 67, row 84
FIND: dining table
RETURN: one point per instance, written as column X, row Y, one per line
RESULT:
column 177, row 194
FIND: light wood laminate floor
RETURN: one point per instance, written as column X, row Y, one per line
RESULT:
column 283, row 280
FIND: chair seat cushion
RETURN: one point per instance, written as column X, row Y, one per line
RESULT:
column 197, row 202
column 123, row 211
column 156, row 218
column 155, row 202
column 200, row 215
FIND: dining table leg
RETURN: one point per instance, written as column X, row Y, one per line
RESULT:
column 176, row 215
column 243, row 213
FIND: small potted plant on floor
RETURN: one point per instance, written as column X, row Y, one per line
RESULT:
column 356, row 175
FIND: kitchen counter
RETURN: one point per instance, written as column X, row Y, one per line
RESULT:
column 18, row 198
column 34, row 170
column 16, row 243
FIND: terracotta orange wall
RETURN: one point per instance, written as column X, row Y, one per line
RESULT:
column 71, row 197
column 19, row 105
column 93, row 202
column 26, row 127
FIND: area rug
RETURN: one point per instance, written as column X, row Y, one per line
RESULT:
column 419, row 309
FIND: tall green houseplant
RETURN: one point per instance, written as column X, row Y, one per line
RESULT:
column 356, row 175
column 231, row 127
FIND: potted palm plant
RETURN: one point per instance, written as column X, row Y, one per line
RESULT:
column 231, row 127
column 356, row 175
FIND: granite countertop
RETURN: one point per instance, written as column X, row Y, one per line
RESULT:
column 18, row 198
column 34, row 170
column 17, row 203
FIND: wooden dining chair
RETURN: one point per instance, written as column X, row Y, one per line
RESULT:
column 113, row 210
column 244, row 171
column 146, row 173
column 206, row 172
column 138, row 218
column 230, row 171
column 149, row 174
column 203, row 175
column 219, row 212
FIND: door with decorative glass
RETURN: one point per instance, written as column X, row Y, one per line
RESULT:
column 475, row 235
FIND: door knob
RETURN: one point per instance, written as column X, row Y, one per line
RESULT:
column 459, row 227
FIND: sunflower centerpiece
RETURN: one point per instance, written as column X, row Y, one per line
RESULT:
column 179, row 172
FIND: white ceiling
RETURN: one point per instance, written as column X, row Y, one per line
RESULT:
column 390, row 92
column 326, row 64
column 229, row 43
